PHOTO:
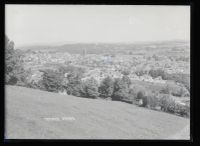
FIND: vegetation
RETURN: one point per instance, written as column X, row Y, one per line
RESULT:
column 175, row 90
column 106, row 87
column 69, row 76
column 91, row 88
column 182, row 110
column 180, row 78
column 158, row 72
column 14, row 71
column 121, row 90
column 167, row 104
column 74, row 85
column 153, row 101
column 51, row 80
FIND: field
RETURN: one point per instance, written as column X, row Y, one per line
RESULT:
column 27, row 111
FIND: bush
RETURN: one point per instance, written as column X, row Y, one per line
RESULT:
column 167, row 104
column 154, row 73
column 182, row 110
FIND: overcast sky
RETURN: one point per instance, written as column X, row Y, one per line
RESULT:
column 58, row 24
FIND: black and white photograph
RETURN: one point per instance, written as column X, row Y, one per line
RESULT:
column 100, row 72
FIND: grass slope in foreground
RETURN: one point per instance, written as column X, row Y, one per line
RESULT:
column 27, row 109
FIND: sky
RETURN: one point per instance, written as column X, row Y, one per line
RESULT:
column 60, row 24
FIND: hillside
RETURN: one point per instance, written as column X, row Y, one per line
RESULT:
column 27, row 111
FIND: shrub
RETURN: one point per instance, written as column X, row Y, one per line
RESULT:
column 154, row 73
column 182, row 110
column 167, row 104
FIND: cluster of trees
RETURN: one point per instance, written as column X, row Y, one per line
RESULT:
column 175, row 90
column 14, row 70
column 120, row 89
column 69, row 78
column 164, row 101
column 181, row 78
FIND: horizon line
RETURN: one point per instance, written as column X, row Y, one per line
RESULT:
column 75, row 42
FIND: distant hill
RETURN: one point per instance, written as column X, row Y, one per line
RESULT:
column 99, row 48
column 28, row 114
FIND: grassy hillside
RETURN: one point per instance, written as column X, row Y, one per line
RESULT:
column 27, row 111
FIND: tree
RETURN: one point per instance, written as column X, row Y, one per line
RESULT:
column 74, row 85
column 106, row 87
column 126, row 80
column 51, row 80
column 14, row 68
column 126, row 72
column 91, row 88
column 140, row 94
column 121, row 90
column 166, row 89
column 132, row 95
